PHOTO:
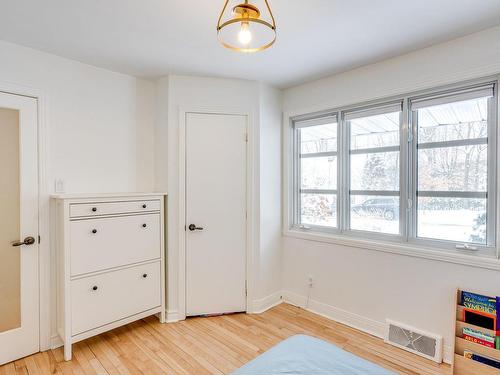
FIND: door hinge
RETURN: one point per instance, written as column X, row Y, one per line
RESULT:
column 39, row 239
column 246, row 137
column 410, row 137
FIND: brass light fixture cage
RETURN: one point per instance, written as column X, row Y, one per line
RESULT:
column 248, row 17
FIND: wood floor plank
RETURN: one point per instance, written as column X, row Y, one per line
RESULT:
column 212, row 345
column 8, row 369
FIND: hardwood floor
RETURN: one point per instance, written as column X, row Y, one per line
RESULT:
column 215, row 345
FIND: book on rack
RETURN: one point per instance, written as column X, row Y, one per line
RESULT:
column 480, row 318
column 497, row 325
column 482, row 359
column 478, row 337
column 475, row 340
column 479, row 302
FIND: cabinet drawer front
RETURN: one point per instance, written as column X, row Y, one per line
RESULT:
column 113, row 208
column 104, row 243
column 108, row 297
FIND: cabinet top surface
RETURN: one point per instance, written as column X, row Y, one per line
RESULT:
column 107, row 195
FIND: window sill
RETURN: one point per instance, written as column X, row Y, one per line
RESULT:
column 443, row 255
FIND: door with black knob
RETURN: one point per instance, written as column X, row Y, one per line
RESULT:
column 216, row 176
column 19, row 285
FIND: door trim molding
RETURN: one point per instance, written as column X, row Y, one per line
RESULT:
column 250, row 200
column 44, row 258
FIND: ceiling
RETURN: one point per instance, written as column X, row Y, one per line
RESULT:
column 151, row 38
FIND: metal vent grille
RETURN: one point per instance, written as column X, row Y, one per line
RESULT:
column 426, row 345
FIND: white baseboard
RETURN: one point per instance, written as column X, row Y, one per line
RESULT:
column 358, row 322
column 349, row 319
column 264, row 304
column 55, row 341
column 173, row 316
column 448, row 354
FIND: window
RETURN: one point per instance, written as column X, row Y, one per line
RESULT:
column 414, row 169
column 451, row 166
column 317, row 168
column 374, row 169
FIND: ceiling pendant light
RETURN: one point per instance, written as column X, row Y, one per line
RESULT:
column 246, row 31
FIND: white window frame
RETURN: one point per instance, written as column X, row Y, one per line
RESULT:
column 366, row 111
column 448, row 96
column 301, row 122
column 406, row 242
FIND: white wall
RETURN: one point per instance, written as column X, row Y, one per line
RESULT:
column 473, row 56
column 161, row 134
column 364, row 287
column 187, row 93
column 94, row 117
column 99, row 126
column 269, row 279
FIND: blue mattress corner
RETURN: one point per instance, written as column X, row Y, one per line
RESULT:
column 301, row 355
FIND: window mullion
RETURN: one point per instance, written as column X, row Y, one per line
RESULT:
column 374, row 150
column 318, row 191
column 298, row 183
column 452, row 194
column 343, row 149
column 318, row 154
column 404, row 171
column 491, row 209
column 412, row 176
column 454, row 143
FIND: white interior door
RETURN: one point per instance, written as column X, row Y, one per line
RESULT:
column 215, row 201
column 19, row 311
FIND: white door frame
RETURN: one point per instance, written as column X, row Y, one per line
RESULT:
column 44, row 266
column 251, row 181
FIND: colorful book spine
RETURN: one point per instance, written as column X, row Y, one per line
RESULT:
column 479, row 302
column 479, row 335
column 482, row 359
column 497, row 328
column 475, row 340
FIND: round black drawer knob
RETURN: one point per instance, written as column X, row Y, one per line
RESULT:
column 144, row 225
column 94, row 209
column 94, row 288
column 94, row 231
column 144, row 275
column 144, row 206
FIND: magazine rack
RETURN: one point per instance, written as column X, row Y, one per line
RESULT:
column 462, row 365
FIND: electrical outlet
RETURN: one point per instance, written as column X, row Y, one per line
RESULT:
column 59, row 186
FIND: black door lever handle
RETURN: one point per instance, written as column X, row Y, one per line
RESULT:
column 193, row 227
column 27, row 241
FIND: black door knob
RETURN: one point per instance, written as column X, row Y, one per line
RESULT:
column 144, row 225
column 144, row 275
column 94, row 288
column 94, row 209
column 144, row 206
column 193, row 227
column 94, row 231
